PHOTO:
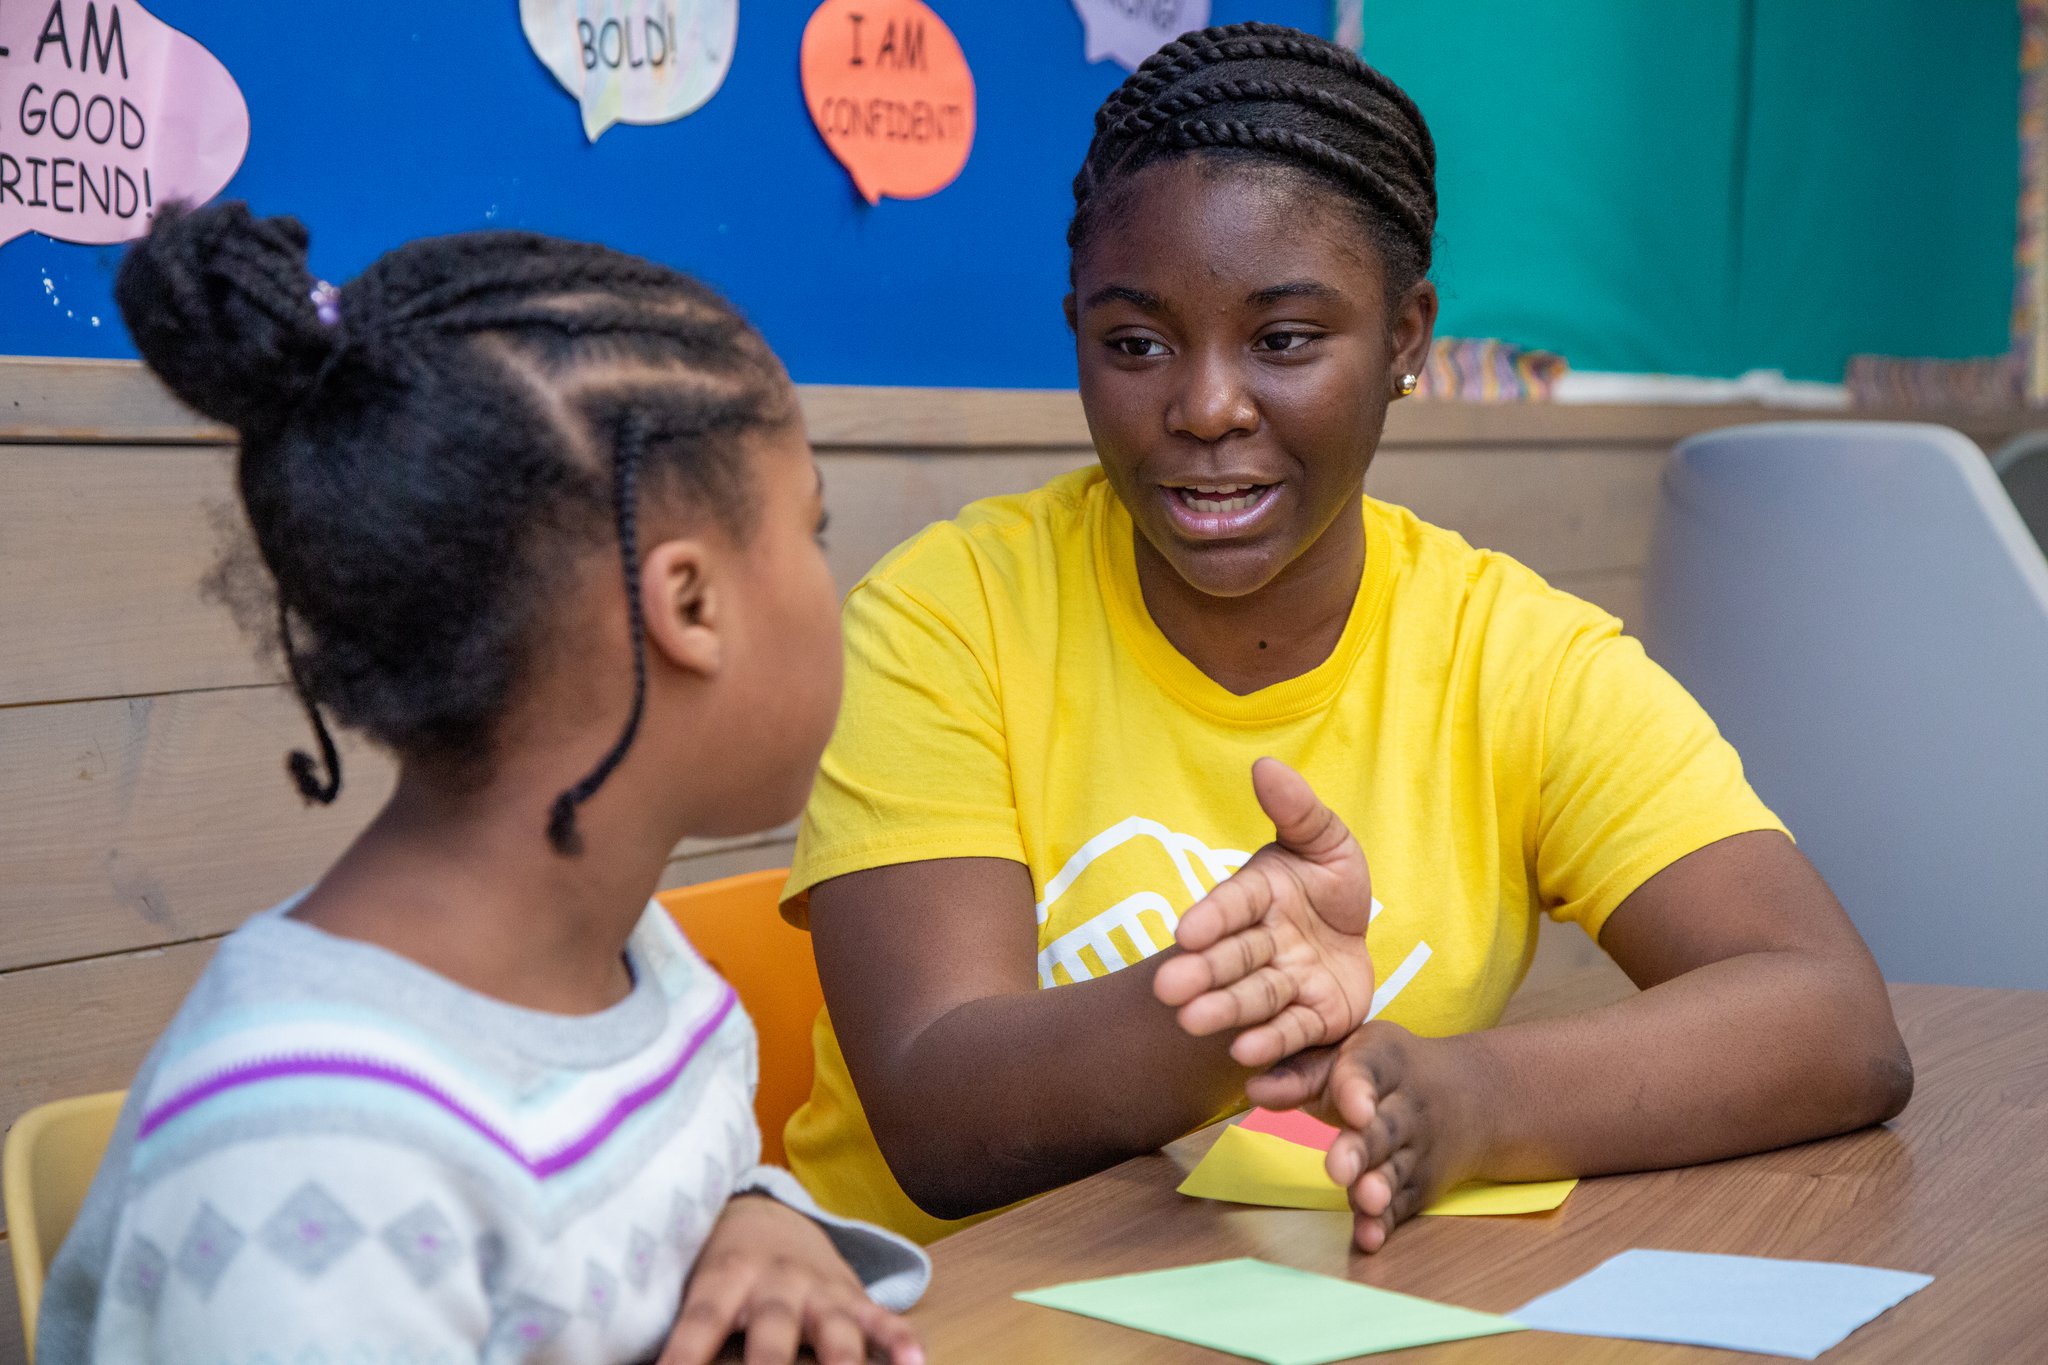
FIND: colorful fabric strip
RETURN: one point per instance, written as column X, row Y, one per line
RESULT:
column 384, row 1073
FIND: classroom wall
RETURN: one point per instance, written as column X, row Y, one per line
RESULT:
column 376, row 122
column 1711, row 186
column 1694, row 187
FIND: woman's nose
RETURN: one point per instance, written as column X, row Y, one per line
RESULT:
column 1213, row 402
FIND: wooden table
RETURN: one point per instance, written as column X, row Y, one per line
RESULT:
column 1956, row 1187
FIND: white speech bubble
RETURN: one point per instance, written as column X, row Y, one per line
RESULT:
column 634, row 61
column 1351, row 24
column 1129, row 31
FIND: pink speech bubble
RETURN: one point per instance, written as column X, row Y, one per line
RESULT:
column 106, row 113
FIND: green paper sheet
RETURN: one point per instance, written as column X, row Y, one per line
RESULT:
column 1269, row 1312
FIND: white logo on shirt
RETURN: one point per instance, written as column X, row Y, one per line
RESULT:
column 1147, row 919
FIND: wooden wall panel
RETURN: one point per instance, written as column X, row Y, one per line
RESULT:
column 105, row 548
column 1619, row 591
column 90, row 402
column 79, row 1027
column 150, row 820
column 854, row 418
column 878, row 500
column 117, row 401
column 12, row 1350
column 1559, row 509
column 158, row 819
column 773, row 849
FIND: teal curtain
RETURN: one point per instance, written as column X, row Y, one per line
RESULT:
column 1712, row 186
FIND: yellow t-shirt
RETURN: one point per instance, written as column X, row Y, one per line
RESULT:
column 1498, row 747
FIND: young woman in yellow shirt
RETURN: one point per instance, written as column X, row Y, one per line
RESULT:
column 1043, row 774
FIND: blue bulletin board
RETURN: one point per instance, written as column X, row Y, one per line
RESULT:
column 376, row 122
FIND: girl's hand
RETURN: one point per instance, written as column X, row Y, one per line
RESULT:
column 1278, row 949
column 771, row 1273
column 1412, row 1128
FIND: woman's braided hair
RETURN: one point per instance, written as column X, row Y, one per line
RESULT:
column 418, row 447
column 1278, row 95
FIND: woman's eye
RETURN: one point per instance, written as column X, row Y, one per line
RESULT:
column 1138, row 348
column 1283, row 342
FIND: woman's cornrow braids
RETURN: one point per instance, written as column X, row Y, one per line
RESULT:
column 1189, row 99
column 409, row 454
column 1311, row 151
column 1284, row 96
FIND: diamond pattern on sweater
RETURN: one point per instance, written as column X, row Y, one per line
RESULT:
column 210, row 1243
column 424, row 1242
column 310, row 1231
column 140, row 1280
column 523, row 1324
column 600, row 1292
column 640, row 1248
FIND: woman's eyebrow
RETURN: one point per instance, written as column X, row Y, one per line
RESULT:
column 1123, row 293
column 1295, row 289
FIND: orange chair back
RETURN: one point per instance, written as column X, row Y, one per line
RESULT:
column 736, row 925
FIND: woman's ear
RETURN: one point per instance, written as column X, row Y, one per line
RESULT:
column 1414, row 325
column 681, row 606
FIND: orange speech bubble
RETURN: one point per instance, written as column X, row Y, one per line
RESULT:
column 891, row 93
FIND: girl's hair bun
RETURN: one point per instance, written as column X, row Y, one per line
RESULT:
column 220, row 304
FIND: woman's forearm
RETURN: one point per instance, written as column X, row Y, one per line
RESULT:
column 1013, row 1095
column 1749, row 1053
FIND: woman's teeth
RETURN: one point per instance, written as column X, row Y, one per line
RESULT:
column 1227, row 498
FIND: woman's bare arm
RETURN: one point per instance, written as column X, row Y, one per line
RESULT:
column 1762, row 1021
column 981, row 1088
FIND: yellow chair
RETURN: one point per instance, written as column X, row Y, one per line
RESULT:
column 735, row 924
column 52, row 1152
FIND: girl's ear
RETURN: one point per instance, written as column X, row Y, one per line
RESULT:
column 1414, row 324
column 682, row 606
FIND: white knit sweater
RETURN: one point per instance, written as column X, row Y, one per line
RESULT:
column 336, row 1157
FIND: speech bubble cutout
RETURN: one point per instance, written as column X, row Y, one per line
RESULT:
column 107, row 112
column 634, row 61
column 891, row 93
column 1129, row 31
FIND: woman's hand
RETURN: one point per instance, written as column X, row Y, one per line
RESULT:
column 1278, row 949
column 771, row 1273
column 1411, row 1126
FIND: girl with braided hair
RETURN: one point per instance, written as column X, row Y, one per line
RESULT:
column 472, row 1095
column 1044, row 944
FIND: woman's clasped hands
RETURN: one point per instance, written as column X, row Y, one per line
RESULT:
column 1277, row 953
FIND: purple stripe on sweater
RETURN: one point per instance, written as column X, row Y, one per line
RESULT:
column 369, row 1069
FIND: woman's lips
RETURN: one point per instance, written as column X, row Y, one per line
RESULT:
column 1214, row 511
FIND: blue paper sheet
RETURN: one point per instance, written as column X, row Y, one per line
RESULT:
column 1741, row 1303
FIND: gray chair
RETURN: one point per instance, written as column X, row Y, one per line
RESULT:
column 2022, row 466
column 1862, row 611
